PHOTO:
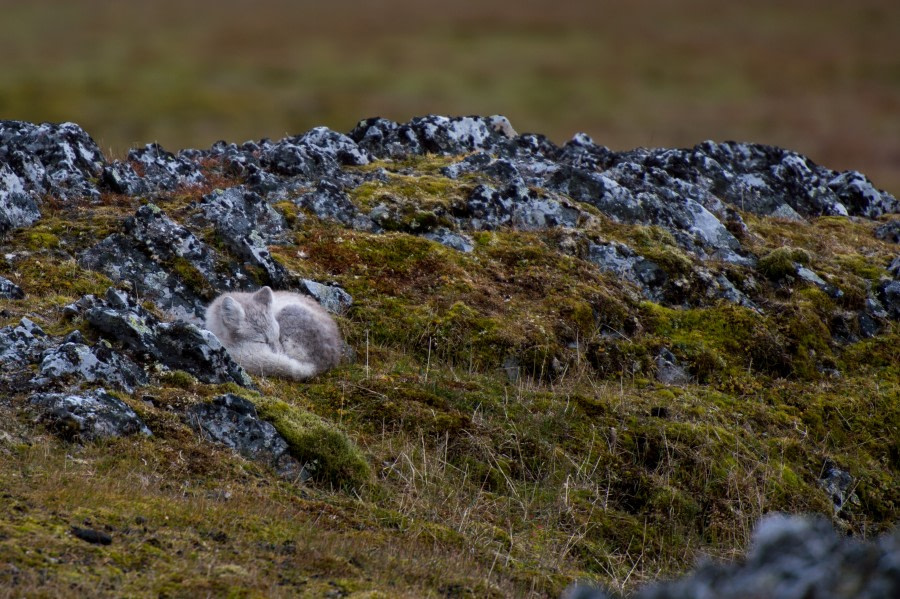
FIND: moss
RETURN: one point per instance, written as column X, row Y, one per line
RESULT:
column 782, row 262
column 40, row 240
column 327, row 450
column 179, row 379
column 289, row 210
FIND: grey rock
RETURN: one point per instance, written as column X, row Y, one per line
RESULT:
column 163, row 170
column 317, row 153
column 791, row 557
column 18, row 206
column 889, row 231
column 451, row 239
column 619, row 259
column 384, row 138
column 9, row 290
column 233, row 421
column 236, row 212
column 785, row 212
column 669, row 370
column 811, row 277
column 330, row 202
column 516, row 206
column 177, row 345
column 839, row 485
column 87, row 416
column 512, row 368
column 185, row 346
column 859, row 195
column 57, row 159
column 893, row 268
column 167, row 264
column 120, row 177
column 92, row 364
column 332, row 297
column 246, row 224
column 21, row 344
column 432, row 133
column 121, row 259
column 889, row 295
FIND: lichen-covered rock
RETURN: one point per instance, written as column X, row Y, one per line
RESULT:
column 246, row 224
column 889, row 295
column 619, row 259
column 177, row 345
column 9, row 290
column 516, row 206
column 332, row 297
column 18, row 206
column 120, row 177
column 436, row 134
column 120, row 259
column 99, row 363
column 164, row 170
column 791, row 557
column 21, row 344
column 165, row 263
column 57, row 159
column 87, row 416
column 839, row 484
column 329, row 201
column 669, row 370
column 233, row 421
column 451, row 239
column 889, row 231
column 236, row 212
column 315, row 154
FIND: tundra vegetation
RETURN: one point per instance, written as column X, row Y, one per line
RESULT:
column 502, row 427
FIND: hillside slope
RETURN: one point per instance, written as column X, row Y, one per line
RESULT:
column 563, row 362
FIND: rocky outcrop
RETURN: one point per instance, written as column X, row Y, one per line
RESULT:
column 790, row 557
column 176, row 345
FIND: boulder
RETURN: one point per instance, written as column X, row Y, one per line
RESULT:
column 99, row 363
column 163, row 170
column 87, row 416
column 233, row 421
column 9, row 290
column 177, row 345
column 22, row 344
column 332, row 297
column 18, row 206
column 56, row 159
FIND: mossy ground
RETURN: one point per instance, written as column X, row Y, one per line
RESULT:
column 458, row 479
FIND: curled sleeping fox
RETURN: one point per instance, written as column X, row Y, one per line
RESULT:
column 276, row 333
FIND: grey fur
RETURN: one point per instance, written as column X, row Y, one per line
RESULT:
column 276, row 333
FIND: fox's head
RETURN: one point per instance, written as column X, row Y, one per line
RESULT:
column 252, row 321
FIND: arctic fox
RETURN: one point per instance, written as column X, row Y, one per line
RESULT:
column 276, row 333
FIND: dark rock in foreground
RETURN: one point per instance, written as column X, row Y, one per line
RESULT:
column 791, row 557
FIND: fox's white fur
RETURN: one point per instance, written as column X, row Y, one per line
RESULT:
column 276, row 333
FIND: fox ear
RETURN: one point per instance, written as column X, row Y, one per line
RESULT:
column 264, row 296
column 232, row 313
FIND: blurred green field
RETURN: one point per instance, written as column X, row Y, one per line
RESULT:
column 819, row 77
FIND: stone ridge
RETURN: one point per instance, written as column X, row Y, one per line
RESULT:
column 696, row 195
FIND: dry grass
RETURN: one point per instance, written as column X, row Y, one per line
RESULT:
column 819, row 77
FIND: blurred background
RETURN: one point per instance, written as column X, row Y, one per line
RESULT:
column 818, row 76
